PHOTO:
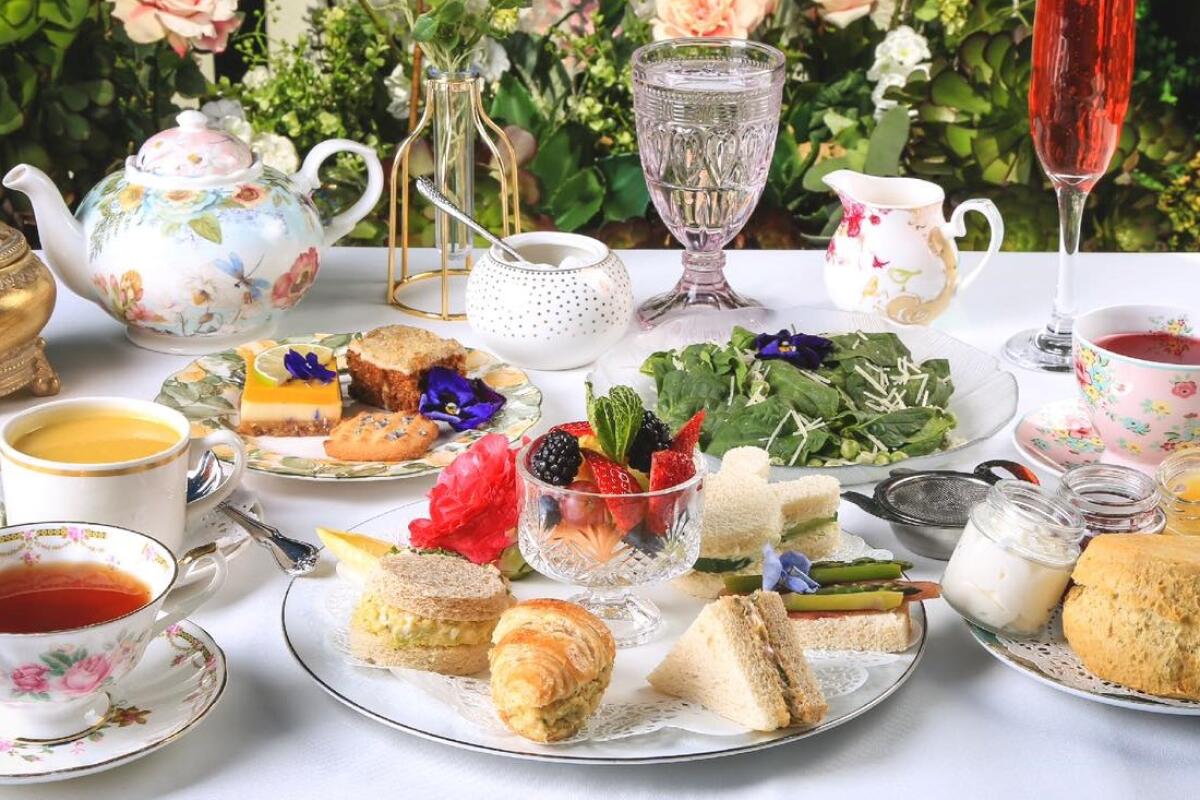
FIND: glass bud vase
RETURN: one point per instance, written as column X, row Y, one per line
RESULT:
column 454, row 121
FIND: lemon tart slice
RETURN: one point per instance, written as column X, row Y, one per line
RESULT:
column 291, row 391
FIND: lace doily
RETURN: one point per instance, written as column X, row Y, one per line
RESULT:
column 1050, row 655
column 631, row 707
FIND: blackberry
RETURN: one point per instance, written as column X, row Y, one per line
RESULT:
column 557, row 458
column 652, row 436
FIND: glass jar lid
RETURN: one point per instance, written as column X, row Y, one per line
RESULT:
column 1113, row 499
column 1032, row 522
column 193, row 150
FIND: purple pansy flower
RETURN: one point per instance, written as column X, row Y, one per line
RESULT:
column 307, row 367
column 464, row 404
column 787, row 572
column 798, row 349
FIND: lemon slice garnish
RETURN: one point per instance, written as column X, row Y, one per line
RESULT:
column 269, row 366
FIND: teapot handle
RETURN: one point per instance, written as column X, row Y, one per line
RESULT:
column 958, row 227
column 308, row 179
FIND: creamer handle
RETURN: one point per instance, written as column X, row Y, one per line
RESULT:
column 958, row 227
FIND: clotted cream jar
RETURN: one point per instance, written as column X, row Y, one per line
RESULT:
column 1113, row 499
column 1009, row 570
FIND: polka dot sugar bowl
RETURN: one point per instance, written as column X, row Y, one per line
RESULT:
column 570, row 304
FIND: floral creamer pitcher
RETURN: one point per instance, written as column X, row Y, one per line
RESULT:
column 893, row 253
column 195, row 245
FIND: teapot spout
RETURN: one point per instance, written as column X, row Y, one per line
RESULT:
column 60, row 232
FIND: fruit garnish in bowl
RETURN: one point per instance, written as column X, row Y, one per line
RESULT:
column 613, row 503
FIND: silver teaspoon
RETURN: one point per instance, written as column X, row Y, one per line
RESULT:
column 435, row 196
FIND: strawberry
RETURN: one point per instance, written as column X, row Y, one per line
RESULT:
column 612, row 478
column 687, row 437
column 667, row 468
column 576, row 429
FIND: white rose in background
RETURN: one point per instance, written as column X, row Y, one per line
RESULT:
column 399, row 92
column 840, row 13
column 901, row 53
column 491, row 60
column 202, row 24
column 883, row 13
column 256, row 77
column 276, row 152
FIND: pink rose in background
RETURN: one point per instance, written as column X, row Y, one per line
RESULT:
column 541, row 15
column 30, row 678
column 85, row 675
column 202, row 24
column 736, row 18
column 840, row 13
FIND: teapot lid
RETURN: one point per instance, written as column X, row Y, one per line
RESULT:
column 193, row 150
column 12, row 245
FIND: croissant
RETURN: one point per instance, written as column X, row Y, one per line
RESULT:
column 551, row 662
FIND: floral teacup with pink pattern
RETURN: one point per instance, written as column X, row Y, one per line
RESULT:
column 53, row 684
column 1143, row 408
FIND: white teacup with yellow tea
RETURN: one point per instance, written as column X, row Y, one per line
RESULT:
column 112, row 461
column 79, row 604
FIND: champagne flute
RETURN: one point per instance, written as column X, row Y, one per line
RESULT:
column 1082, row 70
column 707, row 114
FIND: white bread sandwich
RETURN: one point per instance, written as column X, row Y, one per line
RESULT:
column 1133, row 615
column 810, row 515
column 747, row 460
column 428, row 611
column 740, row 659
column 741, row 514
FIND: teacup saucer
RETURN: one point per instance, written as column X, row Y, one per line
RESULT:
column 1059, row 436
column 175, row 686
column 229, row 537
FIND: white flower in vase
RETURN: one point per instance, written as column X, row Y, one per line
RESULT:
column 491, row 60
column 399, row 92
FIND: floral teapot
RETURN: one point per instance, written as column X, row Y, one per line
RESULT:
column 893, row 253
column 195, row 245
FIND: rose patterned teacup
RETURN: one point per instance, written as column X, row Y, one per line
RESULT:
column 1143, row 409
column 53, row 684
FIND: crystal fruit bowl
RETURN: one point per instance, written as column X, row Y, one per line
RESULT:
column 610, row 544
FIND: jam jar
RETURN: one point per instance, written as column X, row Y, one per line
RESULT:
column 1178, row 480
column 1009, row 570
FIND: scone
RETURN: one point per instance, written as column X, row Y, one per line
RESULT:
column 386, row 365
column 428, row 611
column 551, row 662
column 1133, row 616
column 380, row 436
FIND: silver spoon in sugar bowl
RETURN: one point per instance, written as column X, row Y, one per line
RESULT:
column 435, row 196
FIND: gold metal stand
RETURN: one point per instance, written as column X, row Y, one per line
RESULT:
column 446, row 89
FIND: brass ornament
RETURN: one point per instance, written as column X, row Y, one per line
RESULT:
column 27, row 295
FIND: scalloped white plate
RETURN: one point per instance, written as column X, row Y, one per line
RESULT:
column 984, row 400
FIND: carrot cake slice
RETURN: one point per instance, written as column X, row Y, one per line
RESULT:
column 387, row 365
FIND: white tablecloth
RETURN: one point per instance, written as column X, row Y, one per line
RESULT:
column 964, row 726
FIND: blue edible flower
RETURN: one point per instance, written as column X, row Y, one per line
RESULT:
column 798, row 349
column 463, row 404
column 306, row 368
column 787, row 572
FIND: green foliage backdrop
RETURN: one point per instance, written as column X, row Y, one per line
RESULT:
column 934, row 88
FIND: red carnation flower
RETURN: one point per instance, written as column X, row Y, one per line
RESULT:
column 473, row 506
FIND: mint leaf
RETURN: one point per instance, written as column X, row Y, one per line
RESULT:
column 615, row 419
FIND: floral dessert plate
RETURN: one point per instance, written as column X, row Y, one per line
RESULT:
column 983, row 401
column 209, row 389
column 634, row 723
column 1059, row 436
column 173, row 689
column 216, row 528
column 1048, row 659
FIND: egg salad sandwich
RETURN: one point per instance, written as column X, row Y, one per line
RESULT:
column 741, row 659
column 810, row 515
column 741, row 514
column 428, row 611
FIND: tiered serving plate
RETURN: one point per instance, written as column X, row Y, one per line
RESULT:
column 208, row 392
column 984, row 400
column 424, row 705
